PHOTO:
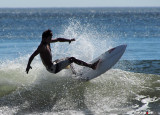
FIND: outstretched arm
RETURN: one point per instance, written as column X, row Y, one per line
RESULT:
column 30, row 60
column 62, row 40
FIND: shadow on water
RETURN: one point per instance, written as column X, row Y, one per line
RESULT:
column 48, row 95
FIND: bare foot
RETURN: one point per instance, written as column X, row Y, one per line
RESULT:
column 94, row 65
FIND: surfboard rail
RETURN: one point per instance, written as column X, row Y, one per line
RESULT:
column 107, row 60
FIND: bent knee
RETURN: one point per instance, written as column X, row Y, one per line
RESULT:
column 71, row 59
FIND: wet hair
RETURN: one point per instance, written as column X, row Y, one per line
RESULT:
column 46, row 33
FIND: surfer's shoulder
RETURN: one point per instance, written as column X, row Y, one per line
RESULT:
column 40, row 47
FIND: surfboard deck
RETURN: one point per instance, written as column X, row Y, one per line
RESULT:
column 107, row 60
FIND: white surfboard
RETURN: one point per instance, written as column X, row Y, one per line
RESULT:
column 107, row 60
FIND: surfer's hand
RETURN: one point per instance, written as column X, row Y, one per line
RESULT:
column 71, row 40
column 28, row 68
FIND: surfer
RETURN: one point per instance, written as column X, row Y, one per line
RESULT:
column 56, row 66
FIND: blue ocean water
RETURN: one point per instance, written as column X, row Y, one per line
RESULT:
column 131, row 87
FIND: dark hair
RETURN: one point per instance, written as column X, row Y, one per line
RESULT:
column 46, row 33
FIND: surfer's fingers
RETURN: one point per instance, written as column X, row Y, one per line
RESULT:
column 73, row 39
column 30, row 67
column 26, row 70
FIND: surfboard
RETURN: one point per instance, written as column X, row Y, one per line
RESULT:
column 107, row 60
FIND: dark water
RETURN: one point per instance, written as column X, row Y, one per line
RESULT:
column 132, row 86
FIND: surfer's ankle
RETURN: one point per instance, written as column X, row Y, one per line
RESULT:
column 94, row 65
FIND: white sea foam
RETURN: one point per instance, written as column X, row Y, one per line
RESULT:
column 40, row 92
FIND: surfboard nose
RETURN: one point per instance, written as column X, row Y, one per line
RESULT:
column 117, row 49
column 124, row 46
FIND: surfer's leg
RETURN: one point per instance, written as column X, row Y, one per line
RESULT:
column 82, row 63
column 62, row 64
column 79, row 62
